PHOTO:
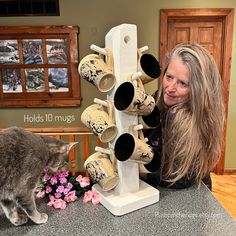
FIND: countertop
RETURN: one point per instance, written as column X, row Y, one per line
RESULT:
column 192, row 211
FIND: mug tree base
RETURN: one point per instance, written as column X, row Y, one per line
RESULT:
column 121, row 204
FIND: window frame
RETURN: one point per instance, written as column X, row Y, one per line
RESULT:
column 47, row 98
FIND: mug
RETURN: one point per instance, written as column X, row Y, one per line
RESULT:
column 102, row 169
column 129, row 147
column 149, row 66
column 150, row 121
column 133, row 99
column 100, row 121
column 94, row 69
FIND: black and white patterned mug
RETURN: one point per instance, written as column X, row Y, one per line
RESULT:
column 149, row 66
column 133, row 99
column 99, row 72
column 133, row 147
column 100, row 121
column 102, row 169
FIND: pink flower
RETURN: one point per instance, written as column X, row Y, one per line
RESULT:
column 53, row 180
column 71, row 197
column 69, row 186
column 62, row 174
column 59, row 174
column 83, row 181
column 40, row 194
column 91, row 195
column 60, row 189
column 65, row 173
column 48, row 189
column 79, row 178
column 95, row 198
column 63, row 180
column 59, row 203
column 66, row 191
column 58, row 195
column 88, row 196
column 52, row 200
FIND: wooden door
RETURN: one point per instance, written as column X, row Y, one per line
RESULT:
column 211, row 28
column 207, row 34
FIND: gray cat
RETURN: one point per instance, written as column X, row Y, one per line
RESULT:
column 23, row 156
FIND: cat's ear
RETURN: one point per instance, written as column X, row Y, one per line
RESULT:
column 67, row 146
column 70, row 145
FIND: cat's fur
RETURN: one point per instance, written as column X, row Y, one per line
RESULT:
column 23, row 156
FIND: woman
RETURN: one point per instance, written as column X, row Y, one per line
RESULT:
column 187, row 143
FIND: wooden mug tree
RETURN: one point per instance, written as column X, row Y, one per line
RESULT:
column 131, row 193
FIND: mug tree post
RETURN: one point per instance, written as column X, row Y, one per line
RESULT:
column 131, row 193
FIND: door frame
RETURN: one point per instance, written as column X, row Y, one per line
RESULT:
column 227, row 16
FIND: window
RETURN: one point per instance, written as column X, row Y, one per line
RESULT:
column 38, row 66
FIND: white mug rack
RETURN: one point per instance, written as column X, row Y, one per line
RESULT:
column 131, row 193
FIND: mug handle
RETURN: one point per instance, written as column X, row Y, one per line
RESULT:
column 110, row 153
column 140, row 84
column 113, row 159
column 109, row 105
column 139, row 52
column 140, row 133
column 109, row 58
column 110, row 111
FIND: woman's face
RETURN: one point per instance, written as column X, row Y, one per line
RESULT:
column 175, row 83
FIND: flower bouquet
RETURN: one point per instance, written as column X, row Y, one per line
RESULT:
column 60, row 188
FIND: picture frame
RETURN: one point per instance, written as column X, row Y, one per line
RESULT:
column 39, row 66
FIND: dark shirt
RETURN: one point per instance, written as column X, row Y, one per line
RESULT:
column 154, row 178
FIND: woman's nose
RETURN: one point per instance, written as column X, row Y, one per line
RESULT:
column 172, row 86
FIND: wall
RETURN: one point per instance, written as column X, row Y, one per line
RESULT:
column 95, row 18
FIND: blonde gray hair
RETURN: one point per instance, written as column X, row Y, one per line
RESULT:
column 193, row 134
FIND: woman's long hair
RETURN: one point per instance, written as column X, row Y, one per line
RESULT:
column 194, row 129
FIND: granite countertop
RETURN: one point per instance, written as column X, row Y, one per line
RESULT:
column 190, row 211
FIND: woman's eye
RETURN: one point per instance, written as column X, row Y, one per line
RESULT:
column 183, row 84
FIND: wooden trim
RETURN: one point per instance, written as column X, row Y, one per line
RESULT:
column 226, row 70
column 227, row 14
column 57, row 136
column 230, row 171
column 29, row 95
column 86, row 148
column 163, row 35
column 60, row 130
